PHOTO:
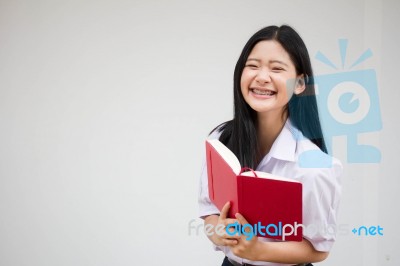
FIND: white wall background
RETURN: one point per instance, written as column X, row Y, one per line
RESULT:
column 104, row 107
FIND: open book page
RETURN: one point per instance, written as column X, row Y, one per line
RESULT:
column 234, row 163
column 227, row 154
column 268, row 176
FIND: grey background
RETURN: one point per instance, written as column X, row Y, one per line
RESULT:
column 104, row 107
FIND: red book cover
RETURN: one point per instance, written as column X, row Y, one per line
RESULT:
column 271, row 202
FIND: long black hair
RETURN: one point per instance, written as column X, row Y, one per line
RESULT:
column 240, row 133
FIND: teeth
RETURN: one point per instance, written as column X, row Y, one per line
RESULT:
column 263, row 92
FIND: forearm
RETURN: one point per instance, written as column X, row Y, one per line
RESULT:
column 290, row 252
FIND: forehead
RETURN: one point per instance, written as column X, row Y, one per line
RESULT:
column 269, row 50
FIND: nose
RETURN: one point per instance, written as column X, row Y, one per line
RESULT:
column 263, row 76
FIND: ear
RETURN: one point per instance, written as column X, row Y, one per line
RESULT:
column 300, row 85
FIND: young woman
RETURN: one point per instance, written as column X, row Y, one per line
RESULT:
column 275, row 127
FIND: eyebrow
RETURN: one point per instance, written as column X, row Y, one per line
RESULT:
column 253, row 59
column 271, row 61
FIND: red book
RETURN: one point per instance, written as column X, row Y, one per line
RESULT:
column 270, row 203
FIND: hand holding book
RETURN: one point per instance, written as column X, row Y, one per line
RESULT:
column 218, row 224
column 267, row 201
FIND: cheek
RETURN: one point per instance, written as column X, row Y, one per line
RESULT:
column 243, row 90
column 287, row 93
column 245, row 79
column 286, row 86
column 243, row 83
column 290, row 86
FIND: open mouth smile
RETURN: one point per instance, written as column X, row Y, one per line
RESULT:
column 263, row 92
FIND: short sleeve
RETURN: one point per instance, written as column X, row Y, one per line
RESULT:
column 321, row 196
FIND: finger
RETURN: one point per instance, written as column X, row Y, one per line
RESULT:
column 246, row 226
column 224, row 211
column 230, row 242
column 232, row 231
column 232, row 226
column 229, row 221
column 235, row 236
column 241, row 219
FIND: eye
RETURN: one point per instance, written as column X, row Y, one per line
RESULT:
column 278, row 69
column 252, row 66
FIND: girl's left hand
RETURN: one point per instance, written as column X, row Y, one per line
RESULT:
column 248, row 246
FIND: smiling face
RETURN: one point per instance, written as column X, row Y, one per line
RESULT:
column 269, row 79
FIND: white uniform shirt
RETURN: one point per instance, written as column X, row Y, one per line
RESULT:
column 321, row 187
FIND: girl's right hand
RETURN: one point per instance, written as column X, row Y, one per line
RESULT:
column 218, row 235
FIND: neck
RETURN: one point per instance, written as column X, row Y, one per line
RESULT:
column 268, row 128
